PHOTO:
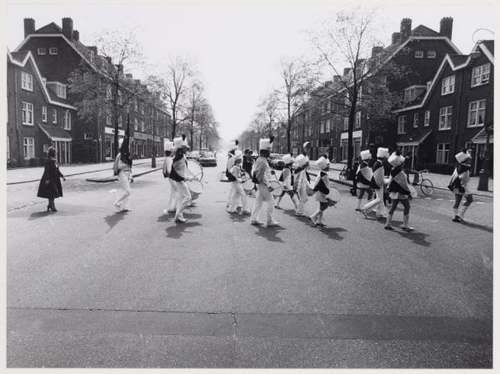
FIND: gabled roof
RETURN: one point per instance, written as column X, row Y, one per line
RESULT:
column 54, row 96
column 457, row 60
column 490, row 44
column 29, row 57
column 19, row 56
column 487, row 47
column 422, row 30
column 51, row 28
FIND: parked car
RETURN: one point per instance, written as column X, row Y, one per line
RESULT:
column 193, row 155
column 207, row 158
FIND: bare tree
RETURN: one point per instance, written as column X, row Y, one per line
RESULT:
column 194, row 106
column 102, row 88
column 269, row 111
column 298, row 78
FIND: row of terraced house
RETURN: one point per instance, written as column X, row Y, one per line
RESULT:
column 42, row 111
column 444, row 104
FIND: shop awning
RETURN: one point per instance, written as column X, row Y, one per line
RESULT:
column 480, row 137
column 55, row 134
column 413, row 140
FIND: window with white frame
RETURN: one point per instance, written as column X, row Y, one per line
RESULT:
column 143, row 127
column 92, row 55
column 136, row 124
column 415, row 120
column 419, row 54
column 26, row 81
column 448, row 85
column 41, row 51
column 346, row 123
column 27, row 113
column 477, row 111
column 445, row 115
column 29, row 148
column 109, row 93
column 108, row 119
column 67, row 120
column 357, row 123
column 480, row 75
column 427, row 118
column 402, row 124
column 52, row 51
column 120, row 120
column 54, row 116
column 322, row 127
column 61, row 90
column 442, row 153
column 44, row 113
column 431, row 54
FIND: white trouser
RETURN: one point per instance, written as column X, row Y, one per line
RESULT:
column 378, row 201
column 302, row 194
column 229, row 196
column 173, row 195
column 124, row 179
column 183, row 198
column 263, row 196
column 237, row 196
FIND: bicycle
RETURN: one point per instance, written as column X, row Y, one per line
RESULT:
column 343, row 174
column 425, row 184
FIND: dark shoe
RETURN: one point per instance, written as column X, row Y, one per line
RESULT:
column 457, row 219
column 388, row 227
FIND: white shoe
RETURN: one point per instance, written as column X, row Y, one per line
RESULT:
column 272, row 223
column 313, row 220
column 180, row 220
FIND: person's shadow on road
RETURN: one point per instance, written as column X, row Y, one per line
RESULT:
column 113, row 219
column 37, row 215
column 416, row 237
column 176, row 231
column 333, row 232
column 478, row 226
column 270, row 233
column 238, row 217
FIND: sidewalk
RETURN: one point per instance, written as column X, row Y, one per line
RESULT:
column 439, row 180
column 24, row 175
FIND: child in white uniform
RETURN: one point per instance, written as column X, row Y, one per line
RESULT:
column 321, row 188
column 238, row 196
column 364, row 176
column 378, row 184
column 167, row 168
column 459, row 185
column 399, row 191
column 287, row 179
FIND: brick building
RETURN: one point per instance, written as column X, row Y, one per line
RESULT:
column 58, row 52
column 418, row 52
column 39, row 114
column 439, row 120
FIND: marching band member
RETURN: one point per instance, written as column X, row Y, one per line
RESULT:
column 287, row 179
column 179, row 173
column 123, row 168
column 320, row 186
column 399, row 191
column 229, row 165
column 378, row 184
column 261, row 174
column 167, row 168
column 247, row 161
column 459, row 185
column 301, row 181
column 364, row 175
column 238, row 195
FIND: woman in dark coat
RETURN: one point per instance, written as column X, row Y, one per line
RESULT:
column 50, row 185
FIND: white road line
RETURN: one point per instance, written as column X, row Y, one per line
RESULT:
column 439, row 199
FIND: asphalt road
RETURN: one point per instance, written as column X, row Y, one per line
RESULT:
column 88, row 287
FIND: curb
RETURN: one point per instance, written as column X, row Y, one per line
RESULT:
column 68, row 175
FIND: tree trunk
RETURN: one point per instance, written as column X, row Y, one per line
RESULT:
column 350, row 150
column 288, row 129
column 115, row 116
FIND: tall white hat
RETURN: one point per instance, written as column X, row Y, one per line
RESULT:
column 462, row 156
column 169, row 146
column 300, row 160
column 178, row 142
column 322, row 163
column 265, row 144
column 365, row 155
column 287, row 159
column 396, row 160
column 238, row 155
column 382, row 152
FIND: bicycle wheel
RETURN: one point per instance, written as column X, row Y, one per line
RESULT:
column 196, row 169
column 426, row 187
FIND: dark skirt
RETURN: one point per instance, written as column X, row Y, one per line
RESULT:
column 50, row 186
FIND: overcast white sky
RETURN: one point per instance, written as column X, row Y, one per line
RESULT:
column 237, row 46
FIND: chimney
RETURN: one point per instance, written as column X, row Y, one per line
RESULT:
column 377, row 50
column 29, row 26
column 76, row 35
column 336, row 78
column 346, row 71
column 446, row 27
column 396, row 37
column 405, row 29
column 67, row 27
column 129, row 76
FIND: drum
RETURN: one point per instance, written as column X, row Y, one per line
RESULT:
column 195, row 169
column 195, row 187
column 276, row 188
column 333, row 196
column 413, row 191
column 247, row 183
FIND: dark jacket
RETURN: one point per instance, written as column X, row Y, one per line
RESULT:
column 50, row 185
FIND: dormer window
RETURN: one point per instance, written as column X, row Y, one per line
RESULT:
column 419, row 54
column 61, row 90
column 26, row 81
column 431, row 54
column 41, row 51
column 53, row 51
column 92, row 56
